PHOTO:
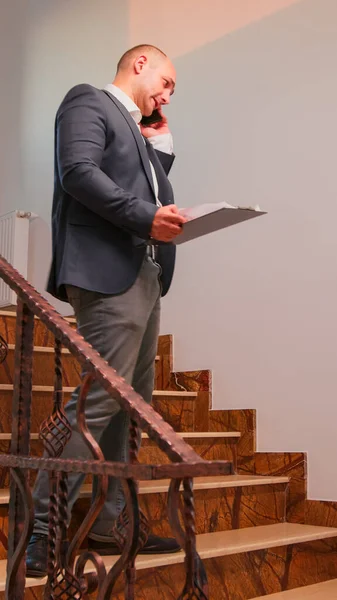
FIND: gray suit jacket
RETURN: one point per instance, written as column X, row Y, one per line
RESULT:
column 104, row 200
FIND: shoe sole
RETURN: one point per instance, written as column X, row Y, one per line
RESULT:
column 104, row 552
column 36, row 574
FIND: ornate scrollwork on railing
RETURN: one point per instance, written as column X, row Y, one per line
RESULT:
column 3, row 349
column 14, row 561
column 196, row 585
column 55, row 432
column 101, row 493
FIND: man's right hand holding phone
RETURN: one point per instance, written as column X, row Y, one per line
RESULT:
column 167, row 224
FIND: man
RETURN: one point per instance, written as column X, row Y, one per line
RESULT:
column 112, row 199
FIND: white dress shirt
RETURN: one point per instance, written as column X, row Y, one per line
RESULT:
column 162, row 142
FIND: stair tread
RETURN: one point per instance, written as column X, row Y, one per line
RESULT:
column 212, row 545
column 44, row 349
column 12, row 313
column 206, row 483
column 200, row 483
column 184, row 434
column 203, row 434
column 8, row 387
column 320, row 591
column 50, row 350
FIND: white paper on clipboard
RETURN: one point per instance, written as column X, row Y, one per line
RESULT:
column 207, row 218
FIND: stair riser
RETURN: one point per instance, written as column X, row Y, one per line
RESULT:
column 214, row 449
column 41, row 408
column 207, row 448
column 218, row 509
column 242, row 576
column 237, row 577
column 42, row 337
column 289, row 464
column 44, row 369
column 42, row 405
column 184, row 414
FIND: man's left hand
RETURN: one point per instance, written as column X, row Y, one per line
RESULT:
column 156, row 128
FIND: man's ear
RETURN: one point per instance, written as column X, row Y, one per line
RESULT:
column 140, row 63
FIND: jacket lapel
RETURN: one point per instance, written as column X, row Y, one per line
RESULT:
column 138, row 138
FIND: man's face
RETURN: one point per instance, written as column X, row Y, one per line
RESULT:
column 155, row 86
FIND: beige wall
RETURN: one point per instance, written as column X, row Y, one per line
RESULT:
column 12, row 30
column 67, row 42
column 50, row 47
column 254, row 120
column 182, row 26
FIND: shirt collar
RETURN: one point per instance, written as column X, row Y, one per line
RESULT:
column 129, row 104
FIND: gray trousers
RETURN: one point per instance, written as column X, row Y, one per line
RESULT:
column 124, row 330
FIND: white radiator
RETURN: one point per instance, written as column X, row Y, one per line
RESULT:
column 14, row 234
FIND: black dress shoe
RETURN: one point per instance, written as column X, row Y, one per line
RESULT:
column 154, row 545
column 37, row 555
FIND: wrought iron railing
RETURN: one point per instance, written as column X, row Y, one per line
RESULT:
column 66, row 575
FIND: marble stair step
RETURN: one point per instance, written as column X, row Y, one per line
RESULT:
column 320, row 591
column 43, row 367
column 186, row 435
column 46, row 389
column 200, row 483
column 212, row 547
column 179, row 408
column 209, row 445
column 221, row 503
column 42, row 336
column 221, row 446
column 49, row 350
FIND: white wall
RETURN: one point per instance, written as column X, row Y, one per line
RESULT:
column 12, row 31
column 255, row 121
column 68, row 42
column 186, row 25
column 64, row 43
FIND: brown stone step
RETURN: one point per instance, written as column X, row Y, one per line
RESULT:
column 239, row 564
column 210, row 446
column 42, row 336
column 321, row 591
column 44, row 367
column 43, row 398
column 221, row 503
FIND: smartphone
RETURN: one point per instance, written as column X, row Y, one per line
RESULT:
column 154, row 118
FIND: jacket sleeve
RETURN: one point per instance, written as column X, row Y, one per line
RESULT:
column 80, row 143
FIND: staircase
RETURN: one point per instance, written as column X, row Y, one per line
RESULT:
column 252, row 526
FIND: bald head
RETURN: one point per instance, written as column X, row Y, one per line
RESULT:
column 147, row 75
column 154, row 55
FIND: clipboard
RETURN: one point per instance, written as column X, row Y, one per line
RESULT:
column 207, row 218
